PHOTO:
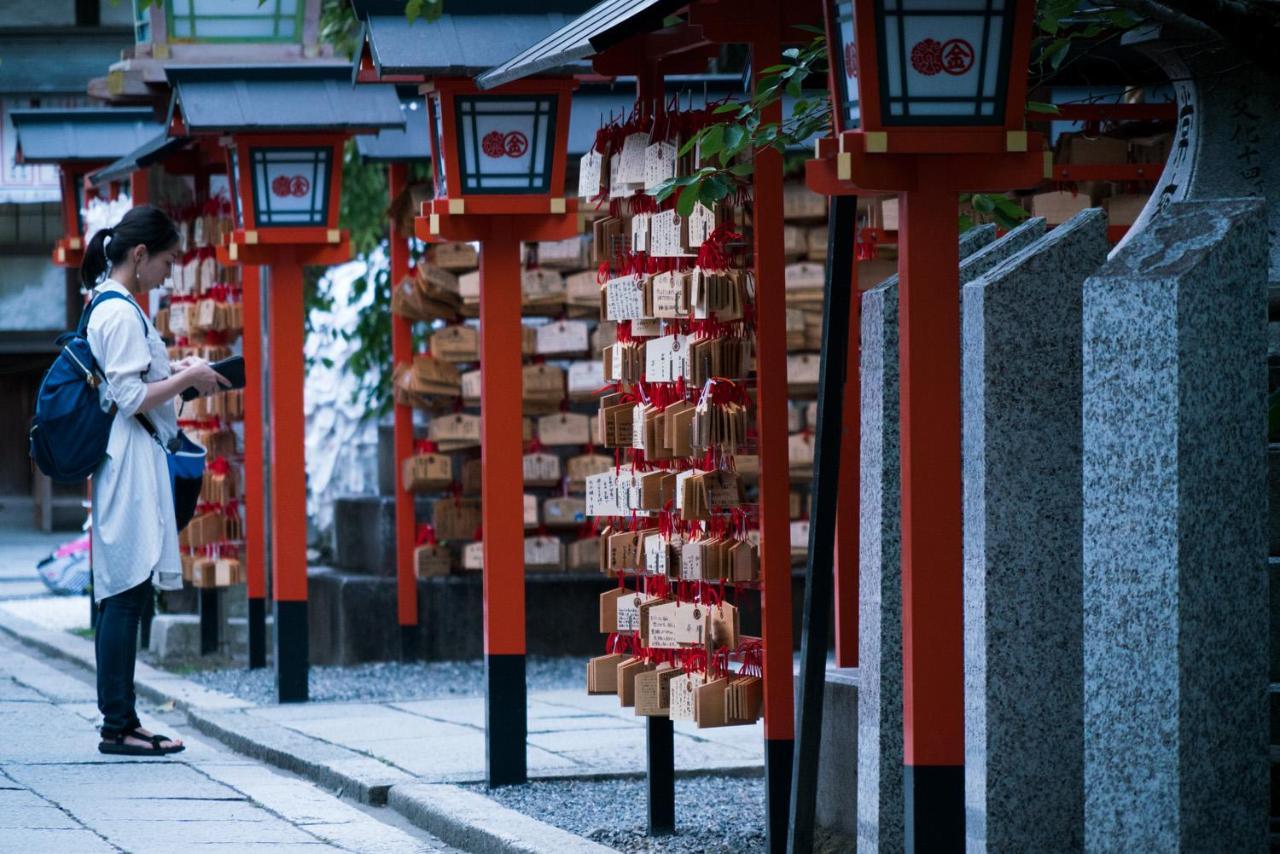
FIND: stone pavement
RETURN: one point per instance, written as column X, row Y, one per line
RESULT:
column 58, row 794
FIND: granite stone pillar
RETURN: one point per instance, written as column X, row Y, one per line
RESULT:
column 880, row 794
column 1174, row 535
column 1023, row 680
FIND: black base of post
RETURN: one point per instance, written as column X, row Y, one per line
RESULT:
column 208, row 620
column 257, row 633
column 661, row 764
column 506, row 721
column 778, row 753
column 292, row 652
column 410, row 639
column 93, row 611
column 934, row 802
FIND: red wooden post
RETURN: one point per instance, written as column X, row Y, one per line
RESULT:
column 288, row 477
column 771, row 419
column 849, row 490
column 502, row 437
column 401, row 353
column 140, row 191
column 254, row 468
column 932, row 555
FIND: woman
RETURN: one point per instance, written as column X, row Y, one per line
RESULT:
column 135, row 537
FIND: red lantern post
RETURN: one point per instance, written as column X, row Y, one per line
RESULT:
column 499, row 159
column 929, row 101
column 285, row 190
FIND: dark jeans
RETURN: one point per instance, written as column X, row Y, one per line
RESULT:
column 116, row 644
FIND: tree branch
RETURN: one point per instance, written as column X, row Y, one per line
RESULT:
column 1250, row 26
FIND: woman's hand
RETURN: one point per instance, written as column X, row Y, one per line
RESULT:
column 205, row 379
column 182, row 364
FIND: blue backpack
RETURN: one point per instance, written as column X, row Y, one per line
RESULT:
column 69, row 432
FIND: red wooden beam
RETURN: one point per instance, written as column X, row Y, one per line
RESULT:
column 932, row 568
column 402, row 353
column 288, row 477
column 771, row 420
column 1107, row 171
column 1110, row 112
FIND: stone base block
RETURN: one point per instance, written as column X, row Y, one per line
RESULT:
column 364, row 532
column 352, row 616
column 838, row 760
column 176, row 637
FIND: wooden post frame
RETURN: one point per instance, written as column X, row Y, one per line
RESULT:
column 282, row 255
column 929, row 148
column 502, row 446
column 402, row 353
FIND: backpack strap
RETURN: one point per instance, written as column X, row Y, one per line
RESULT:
column 84, row 325
column 101, row 298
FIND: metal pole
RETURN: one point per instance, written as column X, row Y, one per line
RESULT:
column 849, row 492
column 502, row 443
column 660, row 761
column 402, row 352
column 208, row 620
column 289, row 481
column 254, row 469
column 826, row 473
column 932, row 557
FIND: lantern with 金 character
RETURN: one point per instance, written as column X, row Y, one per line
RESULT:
column 285, row 190
column 499, row 162
column 501, row 151
column 929, row 98
column 928, row 64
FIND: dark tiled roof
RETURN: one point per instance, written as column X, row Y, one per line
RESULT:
column 85, row 133
column 455, row 45
column 280, row 98
column 601, row 26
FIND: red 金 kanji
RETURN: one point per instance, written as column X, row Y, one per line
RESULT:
column 281, row 185
column 516, row 144
column 957, row 57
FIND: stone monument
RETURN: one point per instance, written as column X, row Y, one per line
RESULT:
column 880, row 804
column 1023, row 680
column 1174, row 535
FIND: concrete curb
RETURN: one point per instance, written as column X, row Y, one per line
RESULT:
column 472, row 822
column 329, row 765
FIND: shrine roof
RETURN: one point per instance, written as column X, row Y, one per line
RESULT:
column 82, row 133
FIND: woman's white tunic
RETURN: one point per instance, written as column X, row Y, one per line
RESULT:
column 134, row 531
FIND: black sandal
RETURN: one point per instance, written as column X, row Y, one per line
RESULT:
column 113, row 743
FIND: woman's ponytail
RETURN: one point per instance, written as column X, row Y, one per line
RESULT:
column 94, row 264
column 144, row 225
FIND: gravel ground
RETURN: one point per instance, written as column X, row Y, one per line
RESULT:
column 714, row 815
column 381, row 681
